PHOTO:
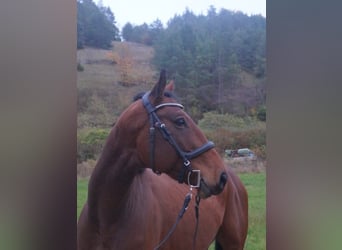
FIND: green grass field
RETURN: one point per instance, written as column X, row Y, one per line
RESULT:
column 82, row 192
column 256, row 187
column 255, row 184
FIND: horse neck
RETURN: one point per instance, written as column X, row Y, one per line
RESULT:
column 112, row 178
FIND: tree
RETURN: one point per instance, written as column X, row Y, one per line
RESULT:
column 95, row 25
column 207, row 55
column 145, row 34
column 127, row 32
column 111, row 22
column 156, row 28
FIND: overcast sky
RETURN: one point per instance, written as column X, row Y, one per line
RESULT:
column 139, row 11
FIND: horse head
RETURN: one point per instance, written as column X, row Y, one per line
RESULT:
column 168, row 141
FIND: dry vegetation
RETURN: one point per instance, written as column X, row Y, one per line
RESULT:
column 246, row 165
column 103, row 68
column 85, row 169
column 103, row 92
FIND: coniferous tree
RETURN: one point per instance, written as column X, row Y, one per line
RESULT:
column 145, row 34
column 95, row 25
column 207, row 53
column 127, row 32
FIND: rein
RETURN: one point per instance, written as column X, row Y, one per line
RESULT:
column 155, row 122
column 179, row 217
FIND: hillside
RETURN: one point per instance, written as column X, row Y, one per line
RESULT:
column 100, row 66
column 112, row 77
column 102, row 93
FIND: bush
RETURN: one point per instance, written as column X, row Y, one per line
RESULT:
column 213, row 120
column 80, row 67
column 261, row 114
column 260, row 151
column 232, row 132
column 90, row 143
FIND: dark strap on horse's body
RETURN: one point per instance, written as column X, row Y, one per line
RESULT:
column 198, row 199
column 156, row 122
column 179, row 217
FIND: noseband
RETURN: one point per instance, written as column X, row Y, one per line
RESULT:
column 155, row 122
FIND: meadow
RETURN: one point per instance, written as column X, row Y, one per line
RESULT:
column 255, row 184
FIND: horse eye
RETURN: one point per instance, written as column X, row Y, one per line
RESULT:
column 180, row 122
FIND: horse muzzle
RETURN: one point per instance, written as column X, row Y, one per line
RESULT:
column 206, row 191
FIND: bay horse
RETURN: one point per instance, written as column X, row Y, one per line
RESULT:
column 154, row 156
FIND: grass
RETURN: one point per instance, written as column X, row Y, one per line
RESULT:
column 256, row 188
column 255, row 184
column 82, row 192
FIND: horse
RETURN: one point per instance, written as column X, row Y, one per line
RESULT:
column 154, row 156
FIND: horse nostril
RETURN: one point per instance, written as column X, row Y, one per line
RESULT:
column 223, row 180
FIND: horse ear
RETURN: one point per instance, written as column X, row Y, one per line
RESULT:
column 170, row 86
column 158, row 89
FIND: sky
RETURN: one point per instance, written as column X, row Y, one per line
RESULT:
column 138, row 12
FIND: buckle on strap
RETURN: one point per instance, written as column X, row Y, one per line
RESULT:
column 198, row 180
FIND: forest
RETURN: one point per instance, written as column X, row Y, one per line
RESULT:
column 218, row 61
column 210, row 56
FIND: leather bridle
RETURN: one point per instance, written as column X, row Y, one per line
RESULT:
column 155, row 122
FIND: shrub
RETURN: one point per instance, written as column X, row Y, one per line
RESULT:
column 80, row 67
column 232, row 132
column 90, row 143
column 260, row 151
column 213, row 120
column 261, row 114
column 227, row 139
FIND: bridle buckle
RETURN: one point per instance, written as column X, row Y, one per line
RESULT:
column 197, row 184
